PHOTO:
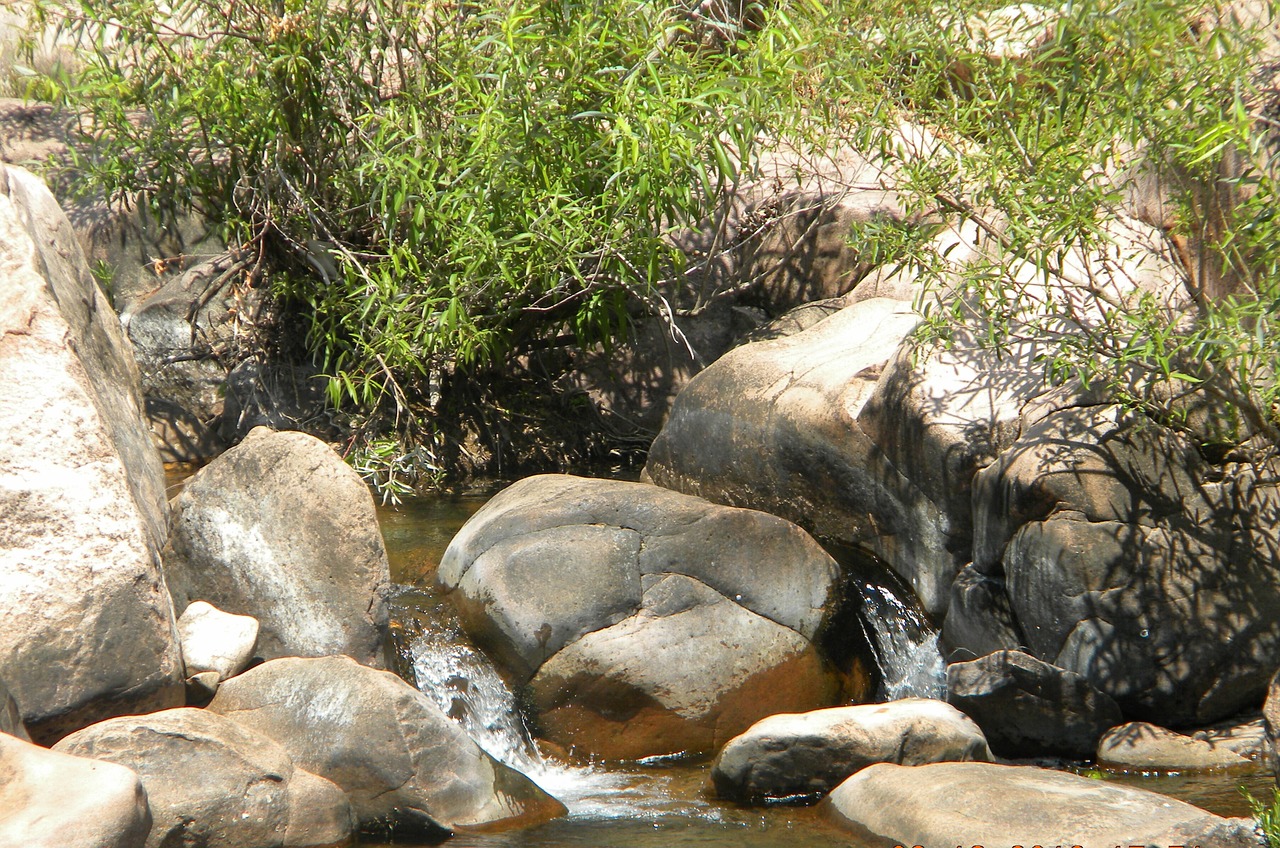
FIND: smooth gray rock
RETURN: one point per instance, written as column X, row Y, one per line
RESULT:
column 216, row 641
column 404, row 766
column 86, row 626
column 280, row 529
column 645, row 622
column 211, row 782
column 1147, row 747
column 987, row 804
column 1029, row 708
column 799, row 756
column 54, row 800
column 690, row 670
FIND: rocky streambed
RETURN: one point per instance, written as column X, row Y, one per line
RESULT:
column 218, row 669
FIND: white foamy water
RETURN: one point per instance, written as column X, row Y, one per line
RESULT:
column 467, row 688
column 905, row 644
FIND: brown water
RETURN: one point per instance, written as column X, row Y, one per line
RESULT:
column 669, row 805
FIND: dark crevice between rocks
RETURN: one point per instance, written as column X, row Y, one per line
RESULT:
column 843, row 639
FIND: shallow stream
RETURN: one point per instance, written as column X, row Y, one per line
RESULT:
column 654, row 805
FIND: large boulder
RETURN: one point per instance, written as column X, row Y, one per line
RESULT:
column 281, row 529
column 54, row 800
column 858, row 430
column 774, row 426
column 209, row 781
column 404, row 765
column 644, row 622
column 987, row 804
column 791, row 757
column 86, row 626
column 1028, row 708
column 1131, row 560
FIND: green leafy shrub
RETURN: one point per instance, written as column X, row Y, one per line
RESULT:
column 1267, row 815
column 446, row 185
column 1032, row 152
column 441, row 187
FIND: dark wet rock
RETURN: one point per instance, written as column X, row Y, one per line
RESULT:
column 798, row 756
column 281, row 529
column 86, row 626
column 403, row 764
column 644, row 622
column 979, row 621
column 209, row 781
column 1028, row 708
column 987, row 804
column 279, row 395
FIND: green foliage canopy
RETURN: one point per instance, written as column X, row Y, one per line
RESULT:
column 447, row 185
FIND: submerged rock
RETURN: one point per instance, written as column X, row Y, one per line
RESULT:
column 86, row 626
column 803, row 755
column 1028, row 708
column 281, row 529
column 644, row 622
column 404, row 765
column 987, row 804
column 53, row 800
column 211, row 782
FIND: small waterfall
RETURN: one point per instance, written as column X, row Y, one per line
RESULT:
column 466, row 687
column 464, row 684
column 905, row 643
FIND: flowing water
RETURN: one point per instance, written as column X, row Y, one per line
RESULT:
column 660, row 804
column 904, row 641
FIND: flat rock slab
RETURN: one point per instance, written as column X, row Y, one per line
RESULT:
column 799, row 756
column 1147, row 747
column 948, row 804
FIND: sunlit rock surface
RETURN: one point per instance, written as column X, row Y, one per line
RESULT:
column 86, row 625
column 645, row 622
